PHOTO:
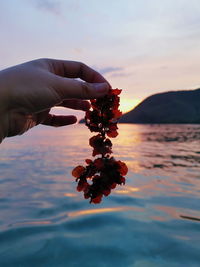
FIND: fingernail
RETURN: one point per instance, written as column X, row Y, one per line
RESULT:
column 101, row 87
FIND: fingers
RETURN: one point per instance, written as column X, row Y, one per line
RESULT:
column 70, row 88
column 76, row 104
column 59, row 120
column 73, row 69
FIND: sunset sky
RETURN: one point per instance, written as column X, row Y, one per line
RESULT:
column 142, row 46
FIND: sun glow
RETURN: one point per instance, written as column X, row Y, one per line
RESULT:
column 126, row 104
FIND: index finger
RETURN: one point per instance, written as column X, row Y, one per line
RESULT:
column 75, row 69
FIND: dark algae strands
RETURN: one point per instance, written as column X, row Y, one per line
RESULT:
column 104, row 173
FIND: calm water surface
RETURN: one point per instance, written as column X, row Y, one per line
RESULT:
column 152, row 221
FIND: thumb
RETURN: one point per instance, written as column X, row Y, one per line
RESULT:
column 71, row 88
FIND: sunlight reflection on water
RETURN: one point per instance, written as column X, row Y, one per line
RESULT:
column 153, row 220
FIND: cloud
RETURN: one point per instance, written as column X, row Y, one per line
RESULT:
column 77, row 50
column 113, row 71
column 108, row 70
column 51, row 6
column 121, row 74
column 164, row 67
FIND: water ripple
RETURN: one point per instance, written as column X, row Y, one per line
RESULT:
column 152, row 221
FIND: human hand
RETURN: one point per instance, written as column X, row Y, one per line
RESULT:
column 28, row 91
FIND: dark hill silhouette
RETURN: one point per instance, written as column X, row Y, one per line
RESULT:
column 168, row 107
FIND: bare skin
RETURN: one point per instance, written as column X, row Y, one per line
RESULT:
column 28, row 91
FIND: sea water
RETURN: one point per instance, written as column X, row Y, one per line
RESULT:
column 154, row 220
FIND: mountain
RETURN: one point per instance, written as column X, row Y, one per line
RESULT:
column 168, row 107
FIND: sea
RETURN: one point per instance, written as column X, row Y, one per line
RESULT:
column 153, row 220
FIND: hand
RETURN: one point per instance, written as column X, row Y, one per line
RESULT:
column 28, row 92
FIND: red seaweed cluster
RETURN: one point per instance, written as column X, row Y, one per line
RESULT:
column 104, row 172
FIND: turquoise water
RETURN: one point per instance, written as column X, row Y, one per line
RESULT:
column 152, row 221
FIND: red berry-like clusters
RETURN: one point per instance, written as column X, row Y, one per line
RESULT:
column 103, row 173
